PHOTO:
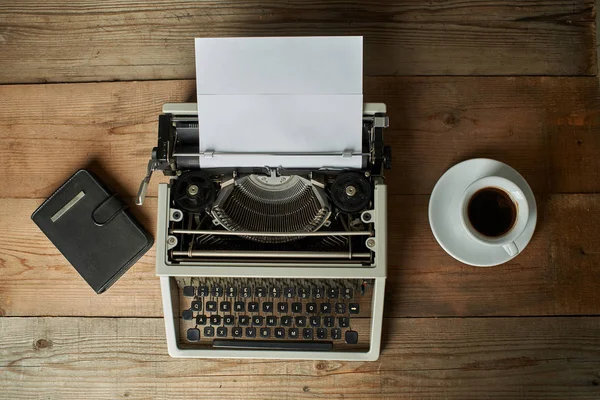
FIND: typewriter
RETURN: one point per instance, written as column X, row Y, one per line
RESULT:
column 270, row 262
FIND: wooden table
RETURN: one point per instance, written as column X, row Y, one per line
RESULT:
column 84, row 82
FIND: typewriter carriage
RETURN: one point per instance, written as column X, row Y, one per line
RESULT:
column 258, row 215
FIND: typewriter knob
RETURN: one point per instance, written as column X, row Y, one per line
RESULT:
column 193, row 191
column 351, row 192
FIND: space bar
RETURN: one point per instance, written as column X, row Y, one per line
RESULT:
column 272, row 345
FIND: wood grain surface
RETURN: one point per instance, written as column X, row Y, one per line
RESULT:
column 67, row 41
column 557, row 273
column 448, row 358
column 546, row 128
column 511, row 80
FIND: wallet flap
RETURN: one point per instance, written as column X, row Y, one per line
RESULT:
column 107, row 210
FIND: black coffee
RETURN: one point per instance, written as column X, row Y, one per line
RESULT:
column 492, row 212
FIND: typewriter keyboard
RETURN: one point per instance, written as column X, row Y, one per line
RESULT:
column 279, row 314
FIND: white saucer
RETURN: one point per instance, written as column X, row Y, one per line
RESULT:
column 444, row 216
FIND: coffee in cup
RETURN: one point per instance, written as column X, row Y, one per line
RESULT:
column 494, row 212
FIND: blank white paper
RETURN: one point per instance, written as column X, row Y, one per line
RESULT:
column 299, row 94
column 304, row 123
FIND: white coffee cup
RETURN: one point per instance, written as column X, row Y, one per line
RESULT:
column 515, row 193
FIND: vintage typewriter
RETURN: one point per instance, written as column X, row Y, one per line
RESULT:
column 269, row 262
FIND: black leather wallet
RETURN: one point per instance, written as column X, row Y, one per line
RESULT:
column 91, row 227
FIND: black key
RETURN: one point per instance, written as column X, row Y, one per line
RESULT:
column 225, row 306
column 351, row 337
column 267, row 306
column 340, row 308
column 265, row 333
column 333, row 293
column 211, row 306
column 286, row 320
column 260, row 291
column 311, row 308
column 246, row 291
column 315, row 321
column 293, row 333
column 271, row 320
column 353, row 308
column 189, row 291
column 253, row 306
column 250, row 332
column 202, row 291
column 217, row 291
column 275, row 292
column 231, row 291
column 244, row 320
column 209, row 331
column 347, row 293
column 272, row 345
column 282, row 307
column 336, row 333
column 325, row 308
column 201, row 320
column 329, row 322
column 215, row 319
column 228, row 320
column 187, row 315
column 193, row 334
column 321, row 333
column 221, row 331
column 280, row 333
column 296, row 308
column 344, row 322
column 236, row 332
column 307, row 333
column 318, row 293
column 239, row 306
column 301, row 321
column 289, row 292
column 304, row 292
column 257, row 320
column 197, row 305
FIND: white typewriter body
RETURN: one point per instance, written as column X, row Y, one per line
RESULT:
column 360, row 253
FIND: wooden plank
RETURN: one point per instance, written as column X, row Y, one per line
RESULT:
column 37, row 277
column 495, row 358
column 597, row 37
column 544, row 127
column 556, row 275
column 126, row 40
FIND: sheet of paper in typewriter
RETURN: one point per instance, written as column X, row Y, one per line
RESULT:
column 280, row 94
